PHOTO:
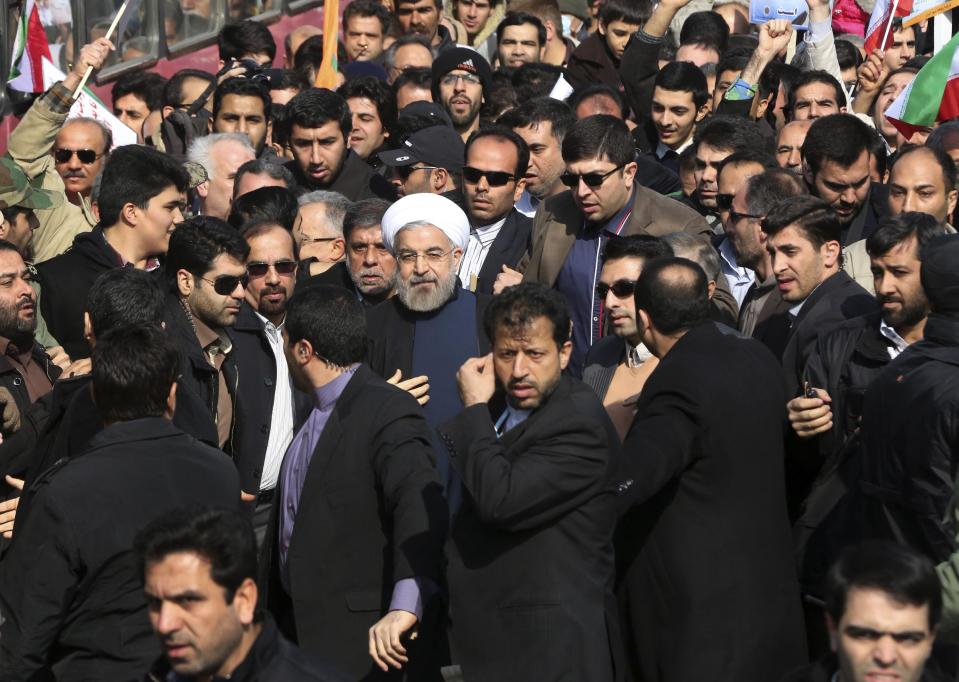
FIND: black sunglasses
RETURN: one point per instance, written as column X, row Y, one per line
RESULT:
column 494, row 178
column 85, row 155
column 621, row 288
column 405, row 171
column 735, row 217
column 226, row 284
column 283, row 267
column 724, row 202
column 591, row 179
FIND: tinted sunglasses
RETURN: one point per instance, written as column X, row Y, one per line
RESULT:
column 405, row 171
column 493, row 178
column 226, row 284
column 621, row 288
column 724, row 202
column 283, row 267
column 85, row 155
column 590, row 179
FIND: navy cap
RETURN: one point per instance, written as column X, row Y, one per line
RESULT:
column 439, row 146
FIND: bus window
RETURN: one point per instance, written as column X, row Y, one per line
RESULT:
column 135, row 37
column 57, row 19
column 248, row 9
column 189, row 21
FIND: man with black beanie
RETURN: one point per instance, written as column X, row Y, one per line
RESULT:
column 461, row 82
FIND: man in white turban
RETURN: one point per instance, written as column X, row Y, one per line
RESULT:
column 432, row 325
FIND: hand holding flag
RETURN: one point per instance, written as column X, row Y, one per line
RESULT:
column 91, row 58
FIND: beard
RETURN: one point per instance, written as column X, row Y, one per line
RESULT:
column 425, row 300
column 12, row 325
column 385, row 286
column 465, row 119
column 908, row 315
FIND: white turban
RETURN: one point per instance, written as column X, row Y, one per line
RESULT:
column 426, row 208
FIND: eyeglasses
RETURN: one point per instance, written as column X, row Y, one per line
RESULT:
column 451, row 78
column 621, row 288
column 594, row 179
column 493, row 178
column 226, row 284
column 433, row 257
column 86, row 156
column 724, row 202
column 313, row 240
column 282, row 267
column 735, row 217
column 405, row 171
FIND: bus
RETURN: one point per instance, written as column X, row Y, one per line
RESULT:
column 164, row 36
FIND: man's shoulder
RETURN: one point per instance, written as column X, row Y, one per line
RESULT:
column 660, row 206
column 560, row 208
column 605, row 352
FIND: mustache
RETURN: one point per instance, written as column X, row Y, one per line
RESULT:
column 78, row 173
column 423, row 279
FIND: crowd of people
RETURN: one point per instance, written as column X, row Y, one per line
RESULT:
column 589, row 341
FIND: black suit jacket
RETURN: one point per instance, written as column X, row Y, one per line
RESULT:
column 509, row 247
column 708, row 589
column 531, row 559
column 837, row 299
column 257, row 365
column 371, row 513
column 390, row 330
column 70, row 588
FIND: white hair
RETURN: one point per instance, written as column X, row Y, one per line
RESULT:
column 336, row 206
column 201, row 149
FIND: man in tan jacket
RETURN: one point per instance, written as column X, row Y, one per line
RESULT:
column 67, row 155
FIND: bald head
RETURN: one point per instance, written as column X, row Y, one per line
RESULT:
column 297, row 37
column 789, row 144
column 674, row 295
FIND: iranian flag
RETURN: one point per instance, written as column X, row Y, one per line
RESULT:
column 882, row 13
column 30, row 49
column 933, row 95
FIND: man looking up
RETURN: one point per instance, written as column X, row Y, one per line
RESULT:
column 537, row 524
column 67, row 154
column 521, row 38
column 142, row 196
column 496, row 160
column 618, row 365
column 836, row 157
column 138, row 467
column 365, row 26
column 210, row 556
column 542, row 123
column 221, row 155
column 320, row 123
column 461, row 81
column 386, row 551
column 206, row 271
column 571, row 229
column 680, row 101
column 423, row 18
column 241, row 105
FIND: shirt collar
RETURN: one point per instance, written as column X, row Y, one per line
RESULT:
column 620, row 216
column 636, row 355
column 661, row 149
column 486, row 234
column 327, row 394
column 898, row 342
column 727, row 254
column 269, row 326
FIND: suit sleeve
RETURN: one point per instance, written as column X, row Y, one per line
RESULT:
column 555, row 475
column 660, row 442
column 638, row 71
column 47, row 568
column 406, row 471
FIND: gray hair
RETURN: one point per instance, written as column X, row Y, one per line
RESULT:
column 696, row 249
column 201, row 149
column 264, row 167
column 389, row 55
column 104, row 130
column 336, row 206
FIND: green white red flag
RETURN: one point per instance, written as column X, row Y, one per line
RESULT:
column 932, row 96
column 29, row 50
column 883, row 12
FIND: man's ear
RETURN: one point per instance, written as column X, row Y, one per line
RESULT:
column 244, row 601
column 565, row 351
column 184, row 283
column 170, row 402
column 601, row 28
column 87, row 326
column 203, row 189
column 831, row 251
column 129, row 214
column 703, row 112
column 439, row 179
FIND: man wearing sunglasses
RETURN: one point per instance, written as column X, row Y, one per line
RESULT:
column 318, row 232
column 269, row 400
column 461, row 81
column 206, row 271
column 66, row 154
column 429, row 160
column 496, row 159
column 570, row 230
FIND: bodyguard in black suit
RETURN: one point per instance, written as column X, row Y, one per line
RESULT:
column 70, row 590
column 531, row 559
column 496, row 161
column 707, row 586
column 360, row 523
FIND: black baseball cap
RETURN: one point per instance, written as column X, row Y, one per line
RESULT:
column 439, row 146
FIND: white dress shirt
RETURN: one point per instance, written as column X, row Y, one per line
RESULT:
column 898, row 343
column 480, row 241
column 281, row 422
column 740, row 279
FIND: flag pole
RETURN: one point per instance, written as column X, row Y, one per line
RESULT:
column 113, row 27
column 892, row 17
